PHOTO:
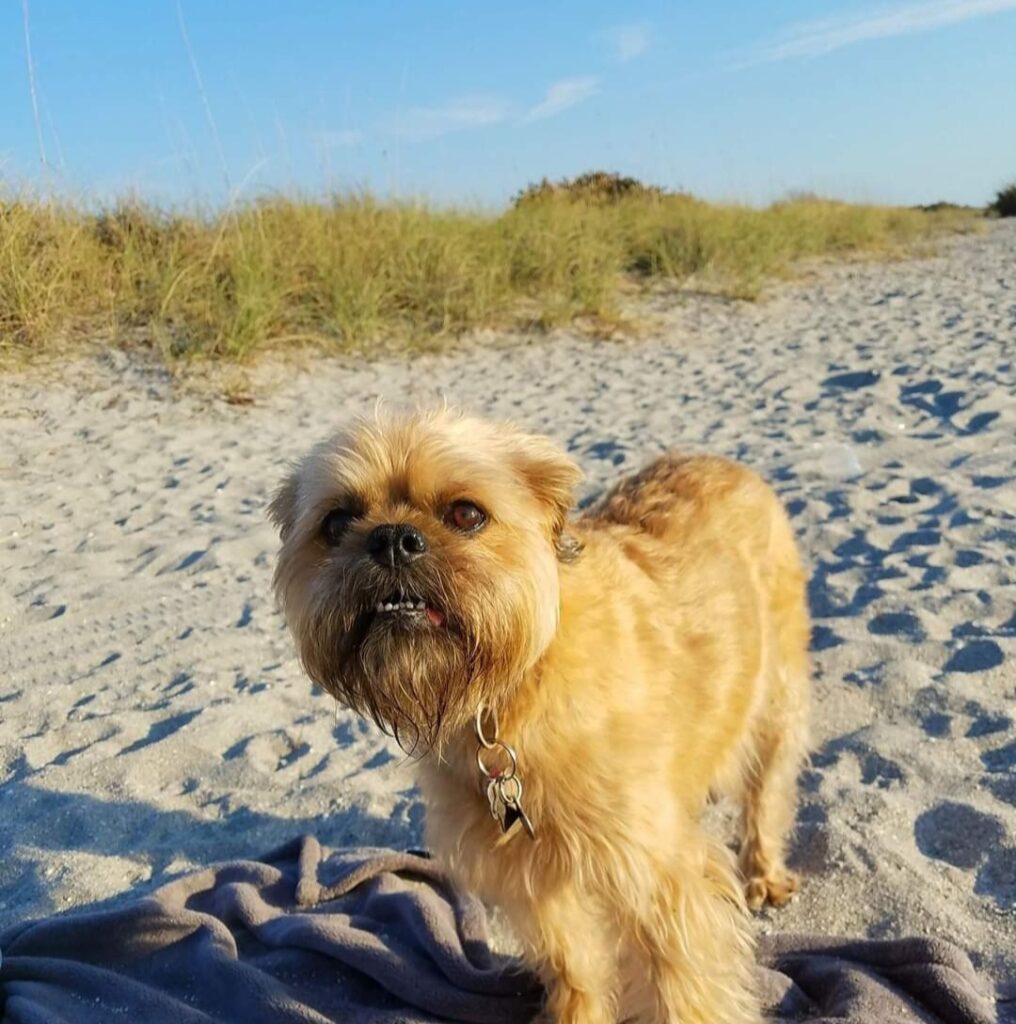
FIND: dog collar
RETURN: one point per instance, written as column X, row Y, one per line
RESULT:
column 503, row 786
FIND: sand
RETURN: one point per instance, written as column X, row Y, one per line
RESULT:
column 152, row 713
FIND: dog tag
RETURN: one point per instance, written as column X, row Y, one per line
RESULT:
column 504, row 787
column 505, row 798
column 498, row 808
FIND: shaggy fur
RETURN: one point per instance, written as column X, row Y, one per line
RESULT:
column 640, row 658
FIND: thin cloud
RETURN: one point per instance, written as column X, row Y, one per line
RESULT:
column 563, row 95
column 628, row 41
column 816, row 38
column 339, row 139
column 422, row 124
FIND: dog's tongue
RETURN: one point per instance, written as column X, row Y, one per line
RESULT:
column 435, row 616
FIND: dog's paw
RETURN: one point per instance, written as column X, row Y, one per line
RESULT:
column 777, row 888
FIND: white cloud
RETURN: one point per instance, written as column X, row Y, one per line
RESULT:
column 628, row 41
column 339, row 139
column 562, row 95
column 815, row 38
column 421, row 124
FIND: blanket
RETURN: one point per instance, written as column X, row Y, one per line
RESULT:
column 368, row 936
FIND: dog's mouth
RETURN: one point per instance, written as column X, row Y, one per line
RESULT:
column 407, row 607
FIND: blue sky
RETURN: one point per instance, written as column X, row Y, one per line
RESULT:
column 895, row 101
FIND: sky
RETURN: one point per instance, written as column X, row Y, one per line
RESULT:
column 184, row 100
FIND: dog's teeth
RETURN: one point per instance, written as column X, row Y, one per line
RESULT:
column 404, row 605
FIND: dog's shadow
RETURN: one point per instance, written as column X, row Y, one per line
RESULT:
column 165, row 841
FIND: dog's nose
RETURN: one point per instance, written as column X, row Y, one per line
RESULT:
column 395, row 544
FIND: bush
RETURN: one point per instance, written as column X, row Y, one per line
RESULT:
column 1005, row 201
column 593, row 186
column 943, row 205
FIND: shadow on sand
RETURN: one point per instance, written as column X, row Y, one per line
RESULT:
column 162, row 839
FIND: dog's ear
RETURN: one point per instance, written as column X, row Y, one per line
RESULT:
column 552, row 476
column 284, row 504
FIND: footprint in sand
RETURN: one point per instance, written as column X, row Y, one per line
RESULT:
column 975, row 656
column 967, row 838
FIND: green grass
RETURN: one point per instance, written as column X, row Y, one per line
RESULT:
column 354, row 272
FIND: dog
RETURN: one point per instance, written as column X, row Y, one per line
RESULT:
column 575, row 689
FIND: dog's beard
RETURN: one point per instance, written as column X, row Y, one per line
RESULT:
column 412, row 685
column 412, row 670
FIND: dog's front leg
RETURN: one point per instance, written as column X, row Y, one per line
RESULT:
column 692, row 929
column 577, row 952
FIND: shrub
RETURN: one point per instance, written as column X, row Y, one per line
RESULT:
column 1005, row 201
column 593, row 186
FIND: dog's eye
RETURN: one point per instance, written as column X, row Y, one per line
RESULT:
column 335, row 524
column 465, row 516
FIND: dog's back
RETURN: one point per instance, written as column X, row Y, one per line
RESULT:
column 676, row 496
column 701, row 501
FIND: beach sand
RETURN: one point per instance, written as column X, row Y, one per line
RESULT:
column 153, row 715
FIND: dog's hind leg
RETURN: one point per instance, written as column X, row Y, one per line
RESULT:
column 778, row 749
column 770, row 800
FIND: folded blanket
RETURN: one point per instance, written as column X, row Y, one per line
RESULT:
column 379, row 937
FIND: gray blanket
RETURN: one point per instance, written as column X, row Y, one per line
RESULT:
column 379, row 937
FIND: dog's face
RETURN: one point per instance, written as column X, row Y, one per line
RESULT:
column 419, row 565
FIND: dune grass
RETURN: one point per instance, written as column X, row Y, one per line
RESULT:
column 354, row 272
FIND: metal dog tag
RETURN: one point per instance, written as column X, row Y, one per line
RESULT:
column 505, row 797
column 498, row 808
column 504, row 787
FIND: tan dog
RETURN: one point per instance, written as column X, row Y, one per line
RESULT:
column 612, row 672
